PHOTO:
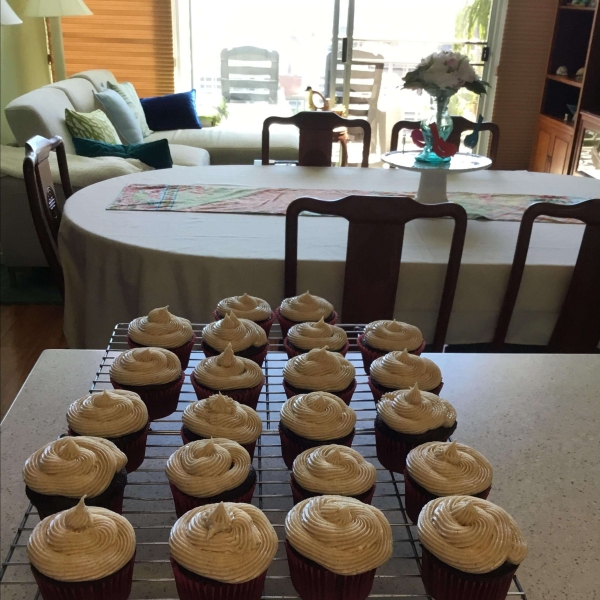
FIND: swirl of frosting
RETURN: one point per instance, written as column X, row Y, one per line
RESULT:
column 470, row 534
column 334, row 469
column 111, row 414
column 393, row 335
column 222, row 417
column 81, row 544
column 73, row 467
column 229, row 542
column 145, row 366
column 160, row 328
column 309, row 335
column 318, row 416
column 319, row 369
column 401, row 370
column 449, row 469
column 228, row 372
column 305, row 308
column 413, row 412
column 342, row 534
column 240, row 333
column 245, row 307
column 208, row 467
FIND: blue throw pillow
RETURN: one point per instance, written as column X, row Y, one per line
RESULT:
column 175, row 111
column 121, row 116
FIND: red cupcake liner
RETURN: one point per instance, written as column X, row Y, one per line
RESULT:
column 378, row 391
column 184, row 502
column 345, row 395
column 116, row 586
column 286, row 324
column 115, row 504
column 191, row 586
column 249, row 447
column 266, row 324
column 314, row 582
column 258, row 358
column 183, row 352
column 292, row 351
column 391, row 453
column 370, row 354
column 160, row 400
column 247, row 396
column 299, row 493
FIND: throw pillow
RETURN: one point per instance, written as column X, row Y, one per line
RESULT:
column 121, row 116
column 175, row 111
column 94, row 126
column 128, row 93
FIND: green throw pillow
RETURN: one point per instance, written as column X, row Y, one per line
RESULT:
column 92, row 126
column 128, row 93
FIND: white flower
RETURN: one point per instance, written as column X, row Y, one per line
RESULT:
column 466, row 73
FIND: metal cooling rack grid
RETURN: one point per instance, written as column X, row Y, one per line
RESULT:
column 149, row 506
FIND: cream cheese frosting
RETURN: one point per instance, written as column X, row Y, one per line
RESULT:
column 240, row 333
column 342, row 534
column 111, row 414
column 73, row 467
column 228, row 372
column 229, row 542
column 309, row 335
column 401, row 370
column 319, row 369
column 334, row 469
column 145, row 366
column 470, row 534
column 81, row 544
column 449, row 469
column 393, row 335
column 208, row 467
column 318, row 416
column 245, row 307
column 305, row 307
column 222, row 417
column 160, row 328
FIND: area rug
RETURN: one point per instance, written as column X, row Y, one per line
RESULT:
column 34, row 286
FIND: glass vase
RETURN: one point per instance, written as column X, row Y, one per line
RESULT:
column 438, row 115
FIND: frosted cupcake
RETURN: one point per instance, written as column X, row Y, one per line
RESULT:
column 303, row 308
column 58, row 474
column 314, row 419
column 304, row 337
column 471, row 549
column 119, row 416
column 247, row 307
column 319, row 370
column 222, row 551
column 153, row 373
column 221, row 417
column 208, row 471
column 334, row 546
column 83, row 553
column 161, row 329
column 240, row 378
column 438, row 469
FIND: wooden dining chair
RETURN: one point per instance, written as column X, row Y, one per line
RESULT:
column 577, row 329
column 316, row 131
column 41, row 193
column 375, row 239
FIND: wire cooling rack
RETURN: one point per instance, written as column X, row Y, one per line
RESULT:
column 149, row 506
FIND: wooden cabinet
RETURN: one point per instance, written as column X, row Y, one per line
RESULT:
column 554, row 141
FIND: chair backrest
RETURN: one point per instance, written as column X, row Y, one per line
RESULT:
column 249, row 83
column 42, row 198
column 316, row 129
column 577, row 329
column 375, row 239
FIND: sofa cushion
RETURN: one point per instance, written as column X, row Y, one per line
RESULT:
column 173, row 111
column 99, row 78
column 80, row 93
column 154, row 154
column 128, row 93
column 121, row 116
column 187, row 156
column 92, row 126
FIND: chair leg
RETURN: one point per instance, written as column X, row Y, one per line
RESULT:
column 344, row 148
column 12, row 277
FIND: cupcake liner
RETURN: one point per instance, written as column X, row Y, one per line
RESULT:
column 183, row 352
column 266, row 324
column 160, row 400
column 345, row 395
column 378, row 390
column 257, row 357
column 116, row 586
column 247, row 396
column 314, row 582
column 444, row 582
column 292, row 350
column 286, row 324
column 369, row 354
column 191, row 586
column 189, row 436
column 299, row 493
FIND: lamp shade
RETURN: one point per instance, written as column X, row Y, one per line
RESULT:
column 56, row 8
column 7, row 14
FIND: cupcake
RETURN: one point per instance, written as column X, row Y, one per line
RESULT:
column 247, row 339
column 303, row 308
column 247, row 307
column 381, row 337
column 319, row 370
column 222, row 551
column 119, row 416
column 306, row 336
column 471, row 549
column 208, row 471
column 58, row 474
column 240, row 378
column 438, row 469
column 161, row 329
column 400, row 371
column 406, row 419
column 334, row 545
column 83, row 553
column 332, row 469
column 153, row 373
column 220, row 416
column 311, row 420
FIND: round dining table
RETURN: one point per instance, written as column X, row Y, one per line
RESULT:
column 120, row 264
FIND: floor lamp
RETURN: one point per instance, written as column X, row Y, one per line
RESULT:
column 8, row 15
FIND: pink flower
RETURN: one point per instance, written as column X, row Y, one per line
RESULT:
column 452, row 63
